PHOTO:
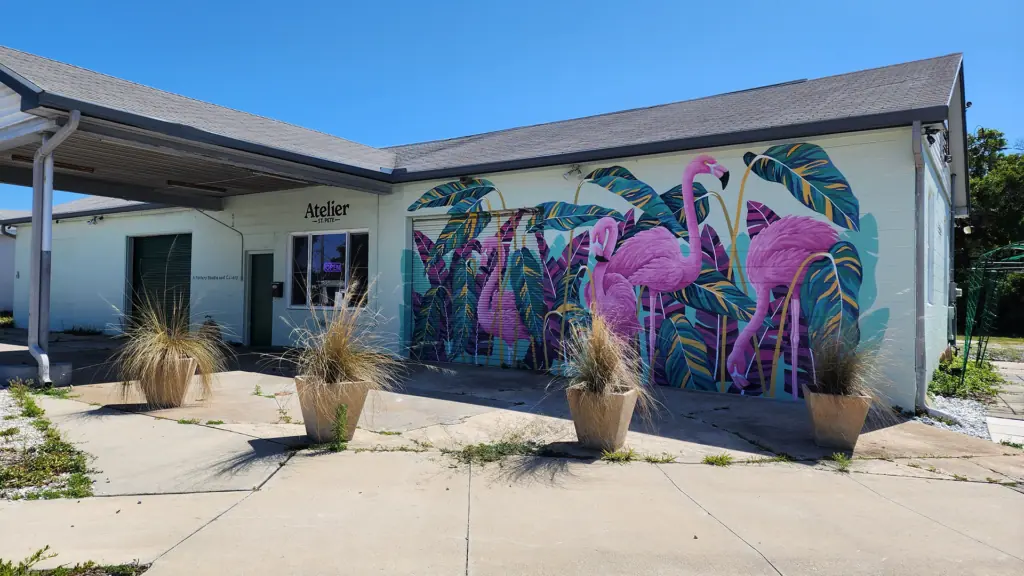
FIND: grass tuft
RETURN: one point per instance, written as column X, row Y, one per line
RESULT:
column 487, row 452
column 959, row 478
column 723, row 459
column 157, row 340
column 214, row 422
column 1016, row 445
column 21, row 392
column 768, row 459
column 387, row 432
column 380, row 448
column 188, row 421
column 620, row 456
column 340, row 443
column 840, row 461
column 663, row 458
column 26, row 567
column 9, row 432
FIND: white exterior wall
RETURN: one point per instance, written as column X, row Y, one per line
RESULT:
column 89, row 260
column 6, row 273
column 937, row 271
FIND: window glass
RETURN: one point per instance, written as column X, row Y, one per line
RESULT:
column 358, row 274
column 327, row 275
column 300, row 262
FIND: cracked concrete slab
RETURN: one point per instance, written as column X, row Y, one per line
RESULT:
column 559, row 517
column 116, row 530
column 339, row 514
column 138, row 454
column 808, row 521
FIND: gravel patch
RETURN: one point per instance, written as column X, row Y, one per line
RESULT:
column 970, row 413
column 12, row 446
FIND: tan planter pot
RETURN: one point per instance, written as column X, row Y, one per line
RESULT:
column 320, row 407
column 171, row 387
column 836, row 420
column 601, row 421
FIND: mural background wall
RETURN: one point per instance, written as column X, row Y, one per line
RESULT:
column 721, row 288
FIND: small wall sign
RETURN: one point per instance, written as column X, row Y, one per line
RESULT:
column 332, row 267
column 325, row 213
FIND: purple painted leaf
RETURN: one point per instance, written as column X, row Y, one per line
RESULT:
column 714, row 254
column 759, row 217
column 508, row 229
column 767, row 339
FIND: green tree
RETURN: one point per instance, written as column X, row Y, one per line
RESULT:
column 997, row 219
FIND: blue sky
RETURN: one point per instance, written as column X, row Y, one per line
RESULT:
column 393, row 72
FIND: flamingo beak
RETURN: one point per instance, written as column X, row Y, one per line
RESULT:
column 724, row 179
column 600, row 258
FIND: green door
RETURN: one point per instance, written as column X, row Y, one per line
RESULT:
column 261, row 302
column 162, row 274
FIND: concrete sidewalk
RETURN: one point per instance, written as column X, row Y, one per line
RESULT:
column 405, row 513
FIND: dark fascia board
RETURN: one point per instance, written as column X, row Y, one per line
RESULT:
column 963, row 111
column 25, row 88
column 852, row 124
column 72, row 183
column 87, row 213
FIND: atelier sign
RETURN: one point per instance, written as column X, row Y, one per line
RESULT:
column 325, row 213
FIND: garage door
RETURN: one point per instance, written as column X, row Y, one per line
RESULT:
column 448, row 291
column 162, row 272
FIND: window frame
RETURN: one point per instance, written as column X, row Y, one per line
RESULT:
column 309, row 263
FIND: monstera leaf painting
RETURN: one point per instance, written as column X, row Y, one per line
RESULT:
column 719, row 332
column 564, row 216
column 701, row 203
column 682, row 357
column 759, row 217
column 621, row 182
column 430, row 330
column 811, row 177
column 462, row 195
column 712, row 292
column 828, row 297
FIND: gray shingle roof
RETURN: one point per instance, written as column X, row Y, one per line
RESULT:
column 919, row 85
column 83, row 85
column 880, row 97
column 86, row 206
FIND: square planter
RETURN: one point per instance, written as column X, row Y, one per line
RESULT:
column 601, row 420
column 320, row 407
column 171, row 386
column 836, row 420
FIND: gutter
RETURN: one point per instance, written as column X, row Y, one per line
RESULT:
column 42, row 238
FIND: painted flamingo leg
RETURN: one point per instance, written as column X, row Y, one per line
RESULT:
column 794, row 343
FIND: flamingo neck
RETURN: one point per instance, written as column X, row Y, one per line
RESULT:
column 491, row 286
column 743, row 341
column 693, row 259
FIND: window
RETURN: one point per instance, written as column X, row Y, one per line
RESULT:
column 325, row 266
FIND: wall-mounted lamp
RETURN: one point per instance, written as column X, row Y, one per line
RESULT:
column 92, row 221
column 967, row 230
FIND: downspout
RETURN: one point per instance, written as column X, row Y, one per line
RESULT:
column 42, row 244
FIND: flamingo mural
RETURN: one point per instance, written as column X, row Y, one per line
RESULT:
column 703, row 310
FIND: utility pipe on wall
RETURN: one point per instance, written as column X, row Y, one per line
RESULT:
column 919, row 279
column 42, row 238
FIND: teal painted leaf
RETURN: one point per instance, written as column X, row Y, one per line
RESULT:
column 714, row 293
column 462, row 195
column 811, row 177
column 565, row 216
column 528, row 285
column 701, row 204
column 460, row 229
column 465, row 296
column 621, row 182
column 828, row 297
column 430, row 323
column 682, row 354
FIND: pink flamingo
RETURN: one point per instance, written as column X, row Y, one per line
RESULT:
column 611, row 294
column 652, row 258
column 773, row 259
column 497, row 309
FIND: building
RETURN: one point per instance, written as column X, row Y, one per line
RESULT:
column 7, row 241
column 705, row 230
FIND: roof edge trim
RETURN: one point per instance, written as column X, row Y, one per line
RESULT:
column 145, row 206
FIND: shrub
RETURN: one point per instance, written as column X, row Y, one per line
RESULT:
column 981, row 382
column 843, row 369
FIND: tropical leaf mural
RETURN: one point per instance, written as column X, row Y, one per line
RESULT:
column 621, row 182
column 564, row 216
column 713, row 292
column 811, row 177
column 460, row 229
column 462, row 195
column 465, row 296
column 759, row 217
column 431, row 325
column 828, row 297
column 682, row 357
column 719, row 332
column 674, row 200
column 434, row 269
column 527, row 280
